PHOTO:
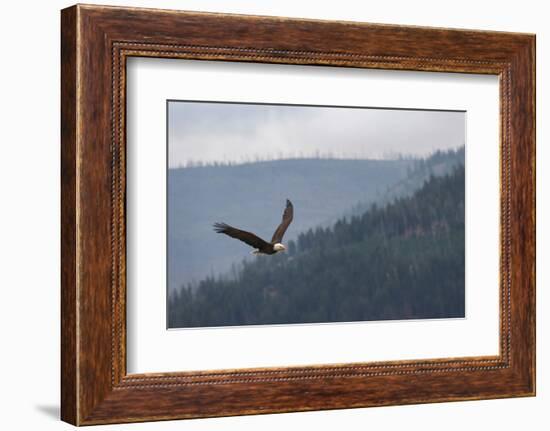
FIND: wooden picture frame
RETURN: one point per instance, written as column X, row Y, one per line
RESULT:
column 95, row 43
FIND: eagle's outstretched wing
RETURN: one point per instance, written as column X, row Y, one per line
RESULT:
column 288, row 214
column 246, row 237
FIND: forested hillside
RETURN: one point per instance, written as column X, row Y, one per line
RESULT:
column 402, row 260
column 438, row 164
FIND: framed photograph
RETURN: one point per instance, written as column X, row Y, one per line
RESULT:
column 264, row 214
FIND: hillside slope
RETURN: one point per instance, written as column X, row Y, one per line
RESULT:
column 438, row 164
column 252, row 196
column 404, row 260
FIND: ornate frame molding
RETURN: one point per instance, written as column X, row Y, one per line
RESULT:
column 96, row 41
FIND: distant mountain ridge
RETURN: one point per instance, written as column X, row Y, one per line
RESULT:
column 252, row 196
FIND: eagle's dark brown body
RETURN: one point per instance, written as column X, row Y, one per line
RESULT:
column 261, row 246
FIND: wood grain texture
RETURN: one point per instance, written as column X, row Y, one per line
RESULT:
column 69, row 367
column 96, row 41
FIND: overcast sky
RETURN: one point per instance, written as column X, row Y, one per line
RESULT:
column 229, row 132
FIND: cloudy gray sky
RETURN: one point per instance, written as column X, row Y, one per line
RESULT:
column 231, row 132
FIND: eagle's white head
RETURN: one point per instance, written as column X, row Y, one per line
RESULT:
column 279, row 247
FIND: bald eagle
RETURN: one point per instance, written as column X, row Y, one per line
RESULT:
column 261, row 246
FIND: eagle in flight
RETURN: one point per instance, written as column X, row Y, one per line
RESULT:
column 261, row 246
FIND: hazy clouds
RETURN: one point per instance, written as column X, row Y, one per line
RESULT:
column 229, row 132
